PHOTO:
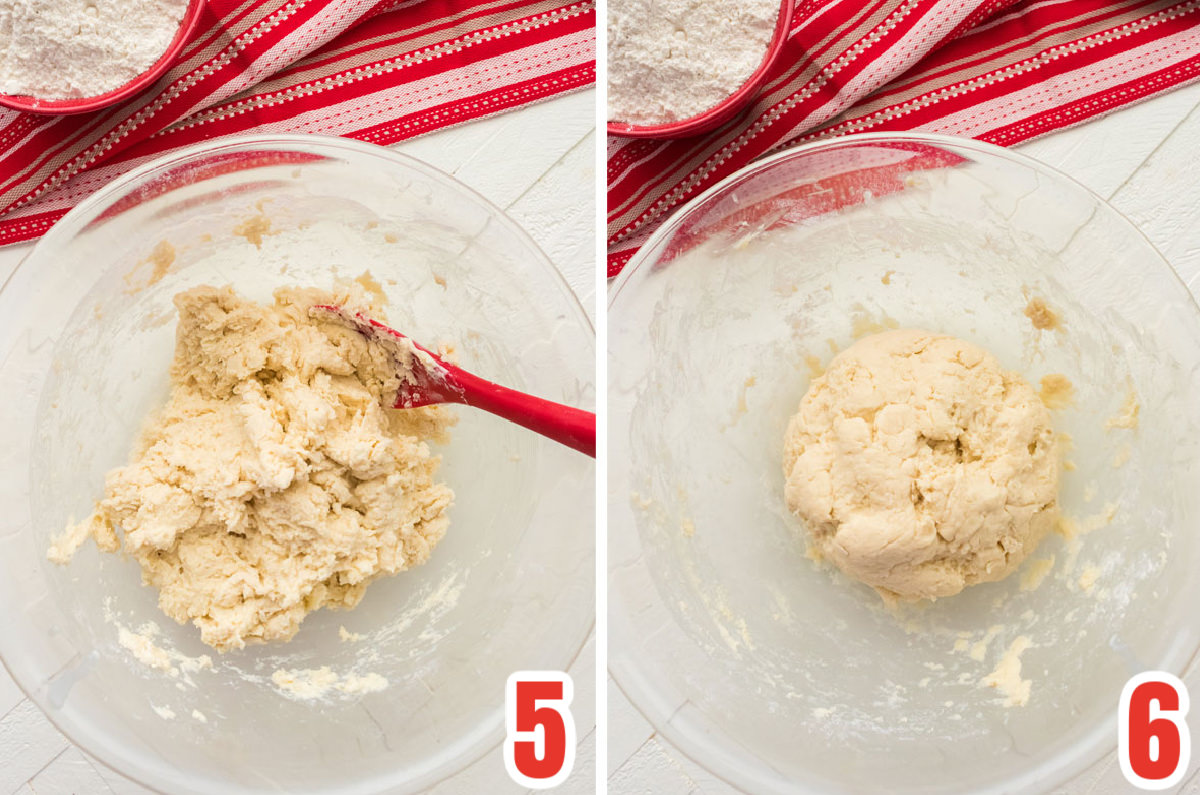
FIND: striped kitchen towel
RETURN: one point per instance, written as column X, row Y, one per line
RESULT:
column 366, row 69
column 1002, row 71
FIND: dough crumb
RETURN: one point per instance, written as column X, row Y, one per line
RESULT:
column 742, row 406
column 143, row 648
column 1087, row 579
column 63, row 547
column 1007, row 675
column 311, row 683
column 1057, row 391
column 348, row 636
column 1042, row 316
column 1070, row 528
column 161, row 258
column 274, row 482
column 166, row 713
column 643, row 503
column 980, row 647
column 199, row 716
column 920, row 467
column 1127, row 417
column 1066, row 445
column 887, row 277
column 815, row 368
column 305, row 683
column 192, row 664
column 1036, row 572
column 373, row 288
column 254, row 229
column 864, row 325
column 1121, row 457
column 688, row 527
column 1067, row 527
column 148, row 652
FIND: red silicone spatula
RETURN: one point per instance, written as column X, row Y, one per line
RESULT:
column 430, row 380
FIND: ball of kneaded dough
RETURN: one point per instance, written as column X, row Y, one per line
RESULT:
column 920, row 466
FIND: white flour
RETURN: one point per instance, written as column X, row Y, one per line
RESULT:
column 144, row 645
column 309, row 683
column 63, row 49
column 669, row 60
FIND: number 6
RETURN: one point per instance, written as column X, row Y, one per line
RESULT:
column 539, row 748
column 1154, row 745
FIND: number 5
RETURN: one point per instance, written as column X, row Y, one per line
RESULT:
column 1154, row 746
column 539, row 749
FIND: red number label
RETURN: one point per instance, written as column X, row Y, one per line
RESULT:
column 1154, row 745
column 539, row 749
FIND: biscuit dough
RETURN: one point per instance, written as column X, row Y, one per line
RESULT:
column 273, row 482
column 920, row 466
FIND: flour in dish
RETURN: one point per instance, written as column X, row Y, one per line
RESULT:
column 69, row 49
column 274, row 482
column 670, row 60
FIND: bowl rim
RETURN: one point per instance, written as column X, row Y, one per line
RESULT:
column 289, row 141
column 491, row 731
column 638, row 690
column 668, row 225
column 727, row 108
column 63, row 107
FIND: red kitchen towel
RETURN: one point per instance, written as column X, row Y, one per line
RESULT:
column 1002, row 71
column 366, row 69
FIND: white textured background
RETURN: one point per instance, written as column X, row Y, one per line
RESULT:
column 538, row 164
column 1145, row 160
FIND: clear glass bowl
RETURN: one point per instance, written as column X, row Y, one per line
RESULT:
column 781, row 676
column 87, row 337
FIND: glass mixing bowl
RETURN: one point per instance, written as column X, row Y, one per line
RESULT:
column 781, row 676
column 87, row 327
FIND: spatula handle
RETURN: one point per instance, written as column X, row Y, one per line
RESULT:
column 573, row 427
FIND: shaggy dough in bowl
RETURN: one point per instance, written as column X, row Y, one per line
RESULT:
column 273, row 482
column 920, row 466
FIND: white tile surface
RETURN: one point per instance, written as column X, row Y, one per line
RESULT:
column 1144, row 160
column 29, row 743
column 537, row 163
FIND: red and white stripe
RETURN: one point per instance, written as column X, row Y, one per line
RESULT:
column 1003, row 71
column 374, row 70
